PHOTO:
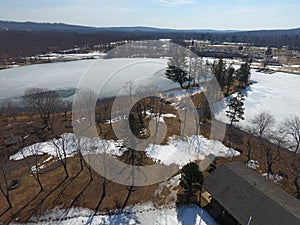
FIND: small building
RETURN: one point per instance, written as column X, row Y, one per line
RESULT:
column 247, row 198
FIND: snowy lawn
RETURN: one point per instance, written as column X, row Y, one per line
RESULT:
column 275, row 93
column 144, row 214
column 160, row 117
column 71, row 145
column 178, row 151
column 181, row 152
column 180, row 93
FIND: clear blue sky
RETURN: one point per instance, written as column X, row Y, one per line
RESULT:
column 185, row 14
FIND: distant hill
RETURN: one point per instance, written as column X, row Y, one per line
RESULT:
column 32, row 26
column 20, row 39
column 61, row 27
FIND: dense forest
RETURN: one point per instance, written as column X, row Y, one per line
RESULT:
column 25, row 39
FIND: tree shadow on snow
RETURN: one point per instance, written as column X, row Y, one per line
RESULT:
column 221, row 105
column 191, row 215
column 117, row 217
column 125, row 217
column 245, row 91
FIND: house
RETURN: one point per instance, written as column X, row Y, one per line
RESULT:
column 247, row 198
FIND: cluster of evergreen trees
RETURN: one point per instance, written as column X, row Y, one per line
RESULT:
column 187, row 72
column 192, row 70
column 227, row 75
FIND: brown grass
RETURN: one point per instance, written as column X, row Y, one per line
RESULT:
column 63, row 195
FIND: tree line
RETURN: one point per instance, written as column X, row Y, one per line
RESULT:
column 16, row 43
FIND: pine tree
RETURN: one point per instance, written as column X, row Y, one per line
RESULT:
column 191, row 180
column 175, row 71
column 229, row 78
column 243, row 74
column 269, row 52
column 219, row 70
column 133, row 123
column 236, row 109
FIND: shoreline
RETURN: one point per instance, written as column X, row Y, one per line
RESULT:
column 282, row 69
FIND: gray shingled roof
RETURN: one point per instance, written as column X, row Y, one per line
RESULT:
column 244, row 193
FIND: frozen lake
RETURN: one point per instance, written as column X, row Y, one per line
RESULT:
column 14, row 81
column 276, row 93
column 67, row 75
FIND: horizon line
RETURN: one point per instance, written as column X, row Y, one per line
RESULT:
column 146, row 26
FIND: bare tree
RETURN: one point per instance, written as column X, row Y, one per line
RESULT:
column 269, row 153
column 35, row 169
column 10, row 109
column 280, row 139
column 98, row 120
column 200, row 107
column 45, row 102
column 291, row 127
column 250, row 132
column 86, row 101
column 66, row 106
column 4, row 183
column 200, row 70
column 262, row 123
column 129, row 89
column 145, row 93
column 61, row 147
column 294, row 169
column 296, row 181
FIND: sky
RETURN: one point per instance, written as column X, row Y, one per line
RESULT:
column 177, row 14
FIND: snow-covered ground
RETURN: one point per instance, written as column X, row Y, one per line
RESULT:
column 275, row 93
column 181, row 152
column 180, row 93
column 160, row 117
column 168, row 198
column 145, row 214
column 61, row 56
column 178, row 151
column 71, row 145
column 252, row 164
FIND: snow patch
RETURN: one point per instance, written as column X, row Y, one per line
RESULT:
column 252, row 164
column 160, row 117
column 145, row 214
column 273, row 177
column 71, row 145
column 181, row 152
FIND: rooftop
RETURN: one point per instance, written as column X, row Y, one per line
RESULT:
column 244, row 194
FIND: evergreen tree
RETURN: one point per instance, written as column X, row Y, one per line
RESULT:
column 219, row 70
column 175, row 70
column 134, row 124
column 229, row 78
column 269, row 52
column 243, row 74
column 191, row 180
column 236, row 109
